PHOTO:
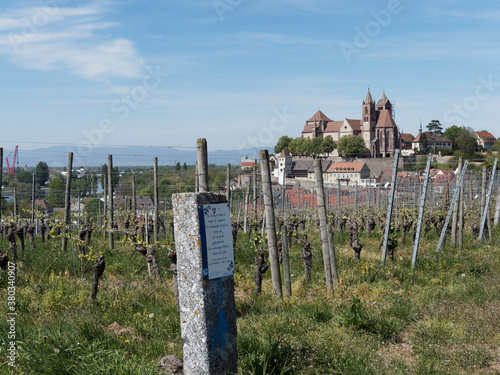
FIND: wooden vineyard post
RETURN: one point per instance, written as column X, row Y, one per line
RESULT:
column 110, row 203
column 1, row 179
column 298, row 195
column 32, row 200
column 355, row 195
column 487, row 202
column 201, row 147
column 333, row 256
column 452, row 206
column 286, row 261
column 368, row 227
column 245, row 207
column 339, row 209
column 254, row 195
column 483, row 190
column 134, row 197
column 196, row 179
column 104, row 179
column 390, row 204
column 270, row 222
column 460, row 229
column 320, row 194
column 67, row 202
column 156, row 201
column 228, row 184
column 421, row 212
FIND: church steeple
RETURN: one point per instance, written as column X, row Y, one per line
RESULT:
column 384, row 103
column 368, row 99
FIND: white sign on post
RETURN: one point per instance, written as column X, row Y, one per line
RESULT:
column 216, row 240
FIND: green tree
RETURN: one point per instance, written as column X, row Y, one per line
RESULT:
column 25, row 177
column 452, row 133
column 178, row 166
column 466, row 142
column 351, row 145
column 81, row 187
column 94, row 184
column 41, row 173
column 184, row 166
column 115, row 175
column 283, row 142
column 23, row 190
column 315, row 146
column 435, row 127
column 423, row 144
column 57, row 191
column 492, row 153
column 328, row 145
column 92, row 208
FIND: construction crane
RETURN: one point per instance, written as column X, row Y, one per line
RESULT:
column 13, row 169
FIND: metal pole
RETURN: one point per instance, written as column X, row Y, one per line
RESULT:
column 421, row 212
column 487, row 203
column 452, row 206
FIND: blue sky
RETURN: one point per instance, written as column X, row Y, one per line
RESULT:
column 240, row 73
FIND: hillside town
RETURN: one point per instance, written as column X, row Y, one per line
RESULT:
column 377, row 136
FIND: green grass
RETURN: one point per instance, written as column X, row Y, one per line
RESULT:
column 443, row 317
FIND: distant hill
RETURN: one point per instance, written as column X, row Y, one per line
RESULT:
column 133, row 156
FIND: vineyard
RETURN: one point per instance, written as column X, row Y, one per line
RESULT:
column 392, row 280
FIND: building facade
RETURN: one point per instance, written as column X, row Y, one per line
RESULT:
column 284, row 166
column 377, row 127
column 431, row 141
column 347, row 173
column 486, row 140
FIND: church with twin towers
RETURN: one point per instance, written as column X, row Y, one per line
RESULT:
column 377, row 127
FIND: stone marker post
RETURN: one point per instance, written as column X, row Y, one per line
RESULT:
column 205, row 267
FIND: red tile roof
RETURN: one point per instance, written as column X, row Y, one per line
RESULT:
column 346, row 167
column 431, row 138
column 308, row 128
column 407, row 137
column 285, row 154
column 319, row 116
column 355, row 124
column 486, row 136
column 333, row 126
column 385, row 119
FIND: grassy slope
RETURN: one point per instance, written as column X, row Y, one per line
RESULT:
column 441, row 318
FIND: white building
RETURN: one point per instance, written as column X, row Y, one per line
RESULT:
column 284, row 166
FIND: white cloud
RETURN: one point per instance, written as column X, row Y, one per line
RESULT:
column 53, row 38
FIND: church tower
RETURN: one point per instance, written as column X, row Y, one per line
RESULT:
column 369, row 120
column 384, row 103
